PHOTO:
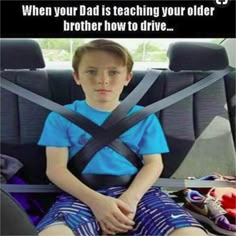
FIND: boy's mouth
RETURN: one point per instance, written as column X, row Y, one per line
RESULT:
column 103, row 90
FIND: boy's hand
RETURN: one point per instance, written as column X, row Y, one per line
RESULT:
column 109, row 213
column 131, row 203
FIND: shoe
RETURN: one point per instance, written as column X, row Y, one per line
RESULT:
column 208, row 210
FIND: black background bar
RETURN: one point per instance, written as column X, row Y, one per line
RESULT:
column 220, row 24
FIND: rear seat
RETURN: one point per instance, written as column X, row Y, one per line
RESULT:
column 21, row 63
column 21, row 120
column 197, row 128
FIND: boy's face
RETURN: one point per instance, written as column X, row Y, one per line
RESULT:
column 102, row 76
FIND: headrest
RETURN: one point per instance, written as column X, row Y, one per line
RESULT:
column 197, row 56
column 20, row 54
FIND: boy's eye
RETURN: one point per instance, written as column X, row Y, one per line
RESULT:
column 113, row 72
column 91, row 72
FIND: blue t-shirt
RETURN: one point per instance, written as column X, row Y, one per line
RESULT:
column 146, row 137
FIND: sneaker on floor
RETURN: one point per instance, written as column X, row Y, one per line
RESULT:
column 226, row 195
column 208, row 210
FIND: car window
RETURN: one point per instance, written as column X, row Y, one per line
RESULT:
column 147, row 53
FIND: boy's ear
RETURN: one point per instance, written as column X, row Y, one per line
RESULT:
column 128, row 78
column 76, row 78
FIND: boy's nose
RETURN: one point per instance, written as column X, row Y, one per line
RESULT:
column 103, row 78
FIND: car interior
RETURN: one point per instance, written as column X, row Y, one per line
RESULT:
column 200, row 128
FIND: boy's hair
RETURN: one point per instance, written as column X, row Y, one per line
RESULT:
column 103, row 45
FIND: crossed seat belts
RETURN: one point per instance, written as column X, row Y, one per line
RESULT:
column 107, row 134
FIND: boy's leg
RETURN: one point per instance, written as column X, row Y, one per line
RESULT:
column 193, row 231
column 61, row 229
column 158, row 214
column 68, row 216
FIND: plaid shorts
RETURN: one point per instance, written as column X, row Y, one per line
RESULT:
column 157, row 214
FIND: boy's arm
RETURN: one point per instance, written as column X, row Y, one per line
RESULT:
column 58, row 173
column 145, row 178
column 107, row 210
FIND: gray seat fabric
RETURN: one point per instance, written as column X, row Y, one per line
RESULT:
column 20, row 54
column 197, row 56
column 21, row 124
column 22, row 120
column 197, row 128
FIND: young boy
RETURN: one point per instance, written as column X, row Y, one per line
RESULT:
column 102, row 68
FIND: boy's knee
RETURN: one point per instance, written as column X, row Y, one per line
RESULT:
column 193, row 231
column 62, row 230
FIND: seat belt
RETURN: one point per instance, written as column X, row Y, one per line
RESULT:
column 161, row 182
column 83, row 122
column 168, row 101
column 103, row 139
